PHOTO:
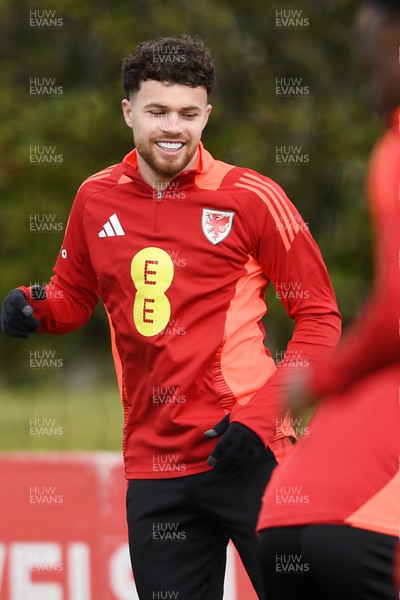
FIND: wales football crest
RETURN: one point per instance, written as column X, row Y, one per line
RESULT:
column 216, row 224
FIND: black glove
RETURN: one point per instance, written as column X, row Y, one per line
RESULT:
column 238, row 448
column 16, row 315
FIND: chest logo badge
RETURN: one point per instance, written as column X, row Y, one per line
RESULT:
column 216, row 224
column 111, row 228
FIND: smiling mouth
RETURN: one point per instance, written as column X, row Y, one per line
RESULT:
column 170, row 146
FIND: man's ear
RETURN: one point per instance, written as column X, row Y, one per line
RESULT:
column 127, row 112
column 207, row 114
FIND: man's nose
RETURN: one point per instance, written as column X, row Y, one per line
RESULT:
column 171, row 124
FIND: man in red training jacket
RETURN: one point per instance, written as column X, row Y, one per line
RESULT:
column 331, row 513
column 180, row 248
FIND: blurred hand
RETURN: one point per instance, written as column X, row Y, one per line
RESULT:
column 299, row 397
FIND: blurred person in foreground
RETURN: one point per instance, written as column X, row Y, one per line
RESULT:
column 180, row 248
column 337, row 534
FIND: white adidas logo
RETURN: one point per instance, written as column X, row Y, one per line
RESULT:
column 112, row 228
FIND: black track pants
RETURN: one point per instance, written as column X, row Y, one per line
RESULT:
column 179, row 529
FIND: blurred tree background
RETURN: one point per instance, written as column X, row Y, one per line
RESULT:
column 258, row 46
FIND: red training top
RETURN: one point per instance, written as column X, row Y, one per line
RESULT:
column 182, row 274
column 347, row 469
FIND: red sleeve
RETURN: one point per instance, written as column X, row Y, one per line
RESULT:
column 373, row 342
column 72, row 291
column 293, row 263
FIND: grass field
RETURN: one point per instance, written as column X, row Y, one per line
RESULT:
column 57, row 418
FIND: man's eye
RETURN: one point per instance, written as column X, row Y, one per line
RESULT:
column 157, row 114
column 190, row 116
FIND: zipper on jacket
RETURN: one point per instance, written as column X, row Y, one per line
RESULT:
column 158, row 197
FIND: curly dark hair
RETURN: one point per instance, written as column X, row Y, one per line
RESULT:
column 183, row 60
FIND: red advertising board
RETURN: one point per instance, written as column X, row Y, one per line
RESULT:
column 63, row 532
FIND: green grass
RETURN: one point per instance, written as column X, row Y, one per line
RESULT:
column 70, row 419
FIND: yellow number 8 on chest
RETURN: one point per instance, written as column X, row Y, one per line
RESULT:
column 152, row 271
